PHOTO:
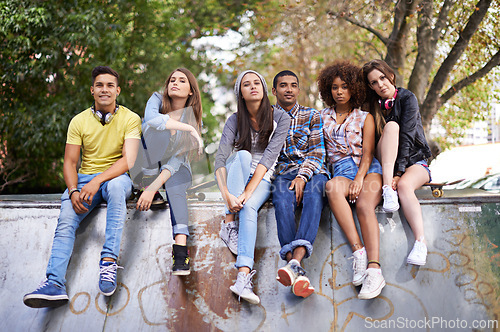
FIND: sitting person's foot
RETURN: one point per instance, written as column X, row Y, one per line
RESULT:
column 48, row 294
column 418, row 254
column 372, row 285
column 302, row 286
column 243, row 287
column 359, row 264
column 229, row 235
column 289, row 273
column 180, row 257
column 107, row 277
column 390, row 196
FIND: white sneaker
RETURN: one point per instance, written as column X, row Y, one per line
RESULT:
column 229, row 234
column 390, row 195
column 360, row 261
column 243, row 287
column 418, row 254
column 374, row 282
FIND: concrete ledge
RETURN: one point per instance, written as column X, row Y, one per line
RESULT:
column 459, row 283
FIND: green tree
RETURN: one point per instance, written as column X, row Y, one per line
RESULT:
column 48, row 49
column 445, row 51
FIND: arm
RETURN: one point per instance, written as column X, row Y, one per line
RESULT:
column 366, row 159
column 225, row 148
column 233, row 203
column 410, row 115
column 71, row 156
column 316, row 148
column 144, row 201
column 314, row 156
column 129, row 153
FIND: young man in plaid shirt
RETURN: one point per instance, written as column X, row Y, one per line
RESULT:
column 300, row 179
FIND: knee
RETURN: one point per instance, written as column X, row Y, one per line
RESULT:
column 119, row 186
column 404, row 188
column 391, row 127
column 332, row 189
column 244, row 156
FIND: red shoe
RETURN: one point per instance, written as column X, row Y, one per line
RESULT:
column 302, row 287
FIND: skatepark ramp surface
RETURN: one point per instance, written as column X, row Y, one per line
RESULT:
column 458, row 288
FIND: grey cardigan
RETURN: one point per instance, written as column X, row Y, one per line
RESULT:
column 230, row 137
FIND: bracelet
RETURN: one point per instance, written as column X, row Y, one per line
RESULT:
column 375, row 262
column 72, row 191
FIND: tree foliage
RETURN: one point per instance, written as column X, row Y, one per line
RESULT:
column 48, row 49
column 445, row 51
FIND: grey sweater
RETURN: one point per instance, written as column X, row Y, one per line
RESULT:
column 269, row 155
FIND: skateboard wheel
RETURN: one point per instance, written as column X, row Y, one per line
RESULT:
column 437, row 193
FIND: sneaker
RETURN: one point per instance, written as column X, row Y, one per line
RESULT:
column 229, row 234
column 359, row 264
column 391, row 203
column 157, row 199
column 302, row 286
column 418, row 254
column 243, row 287
column 107, row 277
column 180, row 258
column 289, row 273
column 373, row 284
column 46, row 295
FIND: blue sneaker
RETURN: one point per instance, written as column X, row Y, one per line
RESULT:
column 46, row 295
column 107, row 277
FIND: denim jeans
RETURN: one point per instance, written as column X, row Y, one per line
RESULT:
column 175, row 188
column 115, row 192
column 238, row 175
column 285, row 205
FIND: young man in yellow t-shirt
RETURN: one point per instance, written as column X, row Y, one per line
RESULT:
column 108, row 136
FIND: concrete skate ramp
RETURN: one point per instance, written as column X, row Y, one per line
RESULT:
column 457, row 288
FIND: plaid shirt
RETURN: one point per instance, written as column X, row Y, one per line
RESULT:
column 304, row 148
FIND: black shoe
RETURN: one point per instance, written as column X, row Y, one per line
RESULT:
column 157, row 199
column 180, row 257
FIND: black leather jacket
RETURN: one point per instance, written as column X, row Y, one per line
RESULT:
column 413, row 146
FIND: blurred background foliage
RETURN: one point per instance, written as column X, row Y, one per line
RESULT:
column 48, row 49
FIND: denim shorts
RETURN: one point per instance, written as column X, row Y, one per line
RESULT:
column 347, row 168
column 424, row 164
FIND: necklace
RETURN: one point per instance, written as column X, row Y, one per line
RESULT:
column 342, row 113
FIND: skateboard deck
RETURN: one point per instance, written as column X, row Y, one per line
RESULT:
column 193, row 192
column 437, row 188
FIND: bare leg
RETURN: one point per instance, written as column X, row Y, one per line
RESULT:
column 229, row 218
column 414, row 177
column 336, row 191
column 245, row 269
column 365, row 209
column 299, row 253
column 387, row 151
column 180, row 239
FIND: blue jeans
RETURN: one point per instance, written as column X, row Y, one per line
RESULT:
column 285, row 205
column 175, row 189
column 347, row 168
column 238, row 175
column 115, row 192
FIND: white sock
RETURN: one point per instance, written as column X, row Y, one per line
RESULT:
column 294, row 261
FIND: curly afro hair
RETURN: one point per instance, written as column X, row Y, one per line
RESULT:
column 347, row 72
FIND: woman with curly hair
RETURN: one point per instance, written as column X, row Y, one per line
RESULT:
column 402, row 149
column 349, row 134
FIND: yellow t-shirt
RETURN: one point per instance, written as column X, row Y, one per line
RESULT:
column 102, row 145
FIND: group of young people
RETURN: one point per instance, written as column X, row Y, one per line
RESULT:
column 366, row 145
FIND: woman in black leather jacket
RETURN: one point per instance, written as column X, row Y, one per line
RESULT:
column 402, row 148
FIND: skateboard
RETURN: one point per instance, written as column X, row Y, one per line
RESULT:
column 193, row 192
column 437, row 188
